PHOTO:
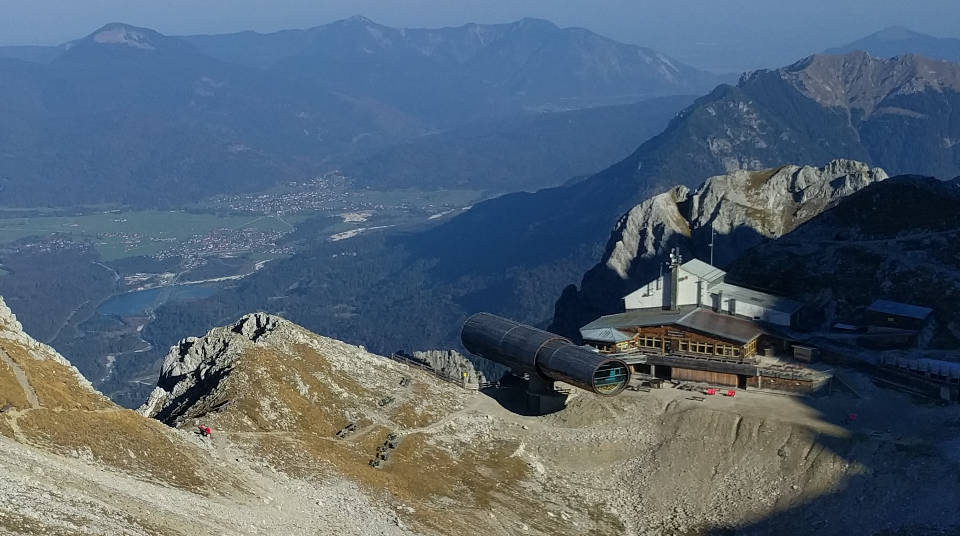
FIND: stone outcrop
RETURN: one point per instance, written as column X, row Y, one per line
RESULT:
column 194, row 367
column 472, row 369
column 736, row 212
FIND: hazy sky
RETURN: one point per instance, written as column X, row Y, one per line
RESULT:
column 717, row 34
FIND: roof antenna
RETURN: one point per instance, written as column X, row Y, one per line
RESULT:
column 713, row 234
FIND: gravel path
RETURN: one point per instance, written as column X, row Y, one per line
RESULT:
column 21, row 379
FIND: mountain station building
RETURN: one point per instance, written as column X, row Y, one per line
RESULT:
column 694, row 326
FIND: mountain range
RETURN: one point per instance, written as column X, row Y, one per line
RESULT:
column 128, row 115
column 514, row 255
column 457, row 72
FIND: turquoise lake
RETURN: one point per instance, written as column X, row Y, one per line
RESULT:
column 144, row 301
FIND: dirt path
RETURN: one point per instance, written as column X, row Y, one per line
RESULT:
column 66, row 322
column 21, row 379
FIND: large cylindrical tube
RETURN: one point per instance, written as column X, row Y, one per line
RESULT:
column 527, row 349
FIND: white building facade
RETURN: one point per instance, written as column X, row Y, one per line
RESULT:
column 702, row 285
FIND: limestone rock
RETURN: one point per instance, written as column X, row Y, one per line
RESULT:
column 194, row 366
column 456, row 365
column 742, row 208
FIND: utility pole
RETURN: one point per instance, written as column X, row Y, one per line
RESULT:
column 713, row 234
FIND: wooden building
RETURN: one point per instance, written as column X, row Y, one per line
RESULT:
column 688, row 331
column 695, row 327
column 695, row 344
column 885, row 314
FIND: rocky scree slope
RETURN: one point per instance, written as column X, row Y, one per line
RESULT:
column 75, row 463
column 72, row 462
column 464, row 463
column 281, row 393
column 52, row 407
column 274, row 394
column 743, row 209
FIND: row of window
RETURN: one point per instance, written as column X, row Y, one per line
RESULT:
column 709, row 348
column 682, row 346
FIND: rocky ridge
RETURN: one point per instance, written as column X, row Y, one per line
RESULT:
column 72, row 462
column 452, row 364
column 743, row 209
column 895, row 240
column 196, row 364
column 858, row 81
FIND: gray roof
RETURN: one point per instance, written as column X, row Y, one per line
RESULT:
column 724, row 326
column 746, row 295
column 703, row 270
column 638, row 317
column 933, row 366
column 604, row 335
column 900, row 309
column 721, row 325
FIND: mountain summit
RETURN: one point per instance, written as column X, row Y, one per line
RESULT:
column 898, row 41
column 735, row 212
column 860, row 82
column 117, row 33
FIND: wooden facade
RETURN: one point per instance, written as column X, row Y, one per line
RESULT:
column 680, row 340
column 705, row 376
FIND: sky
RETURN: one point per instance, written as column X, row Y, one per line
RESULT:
column 720, row 35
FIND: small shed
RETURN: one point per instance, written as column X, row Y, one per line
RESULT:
column 807, row 354
column 891, row 314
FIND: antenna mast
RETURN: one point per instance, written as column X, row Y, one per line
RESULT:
column 713, row 234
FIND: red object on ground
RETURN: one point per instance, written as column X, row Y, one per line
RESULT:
column 710, row 391
column 731, row 392
column 207, row 430
column 851, row 417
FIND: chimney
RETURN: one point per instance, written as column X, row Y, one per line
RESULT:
column 673, row 303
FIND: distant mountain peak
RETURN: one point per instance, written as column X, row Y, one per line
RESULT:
column 899, row 40
column 356, row 20
column 897, row 33
column 118, row 33
column 528, row 22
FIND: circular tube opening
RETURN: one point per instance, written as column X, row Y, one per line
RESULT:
column 611, row 377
